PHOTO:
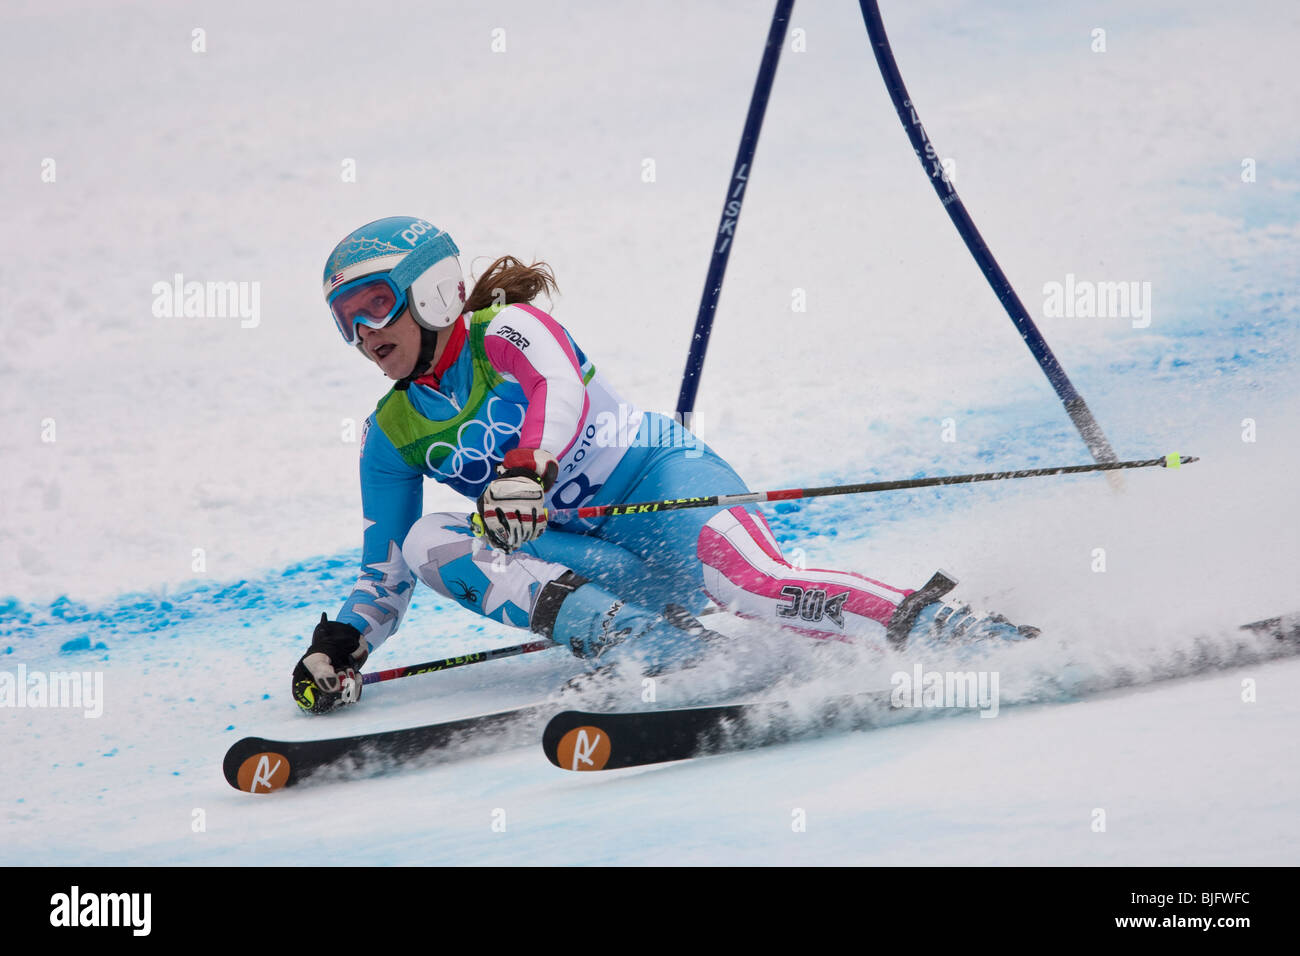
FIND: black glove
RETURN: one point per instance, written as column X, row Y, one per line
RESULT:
column 329, row 674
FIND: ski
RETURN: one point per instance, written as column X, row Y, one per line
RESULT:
column 257, row 765
column 1283, row 628
column 583, row 740
column 586, row 740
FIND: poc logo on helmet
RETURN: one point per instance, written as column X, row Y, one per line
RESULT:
column 412, row 233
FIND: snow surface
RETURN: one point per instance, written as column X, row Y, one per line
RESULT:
column 175, row 434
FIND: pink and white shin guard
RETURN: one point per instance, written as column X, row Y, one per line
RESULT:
column 745, row 572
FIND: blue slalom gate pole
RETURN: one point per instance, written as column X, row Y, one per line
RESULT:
column 731, row 210
column 1075, row 407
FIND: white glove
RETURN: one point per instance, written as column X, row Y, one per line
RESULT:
column 512, row 508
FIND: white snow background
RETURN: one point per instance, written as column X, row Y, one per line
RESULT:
column 175, row 434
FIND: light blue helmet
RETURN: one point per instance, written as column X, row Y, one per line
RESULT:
column 390, row 265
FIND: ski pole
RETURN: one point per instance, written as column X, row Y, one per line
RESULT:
column 449, row 662
column 787, row 494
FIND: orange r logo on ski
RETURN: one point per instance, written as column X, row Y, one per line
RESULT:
column 583, row 748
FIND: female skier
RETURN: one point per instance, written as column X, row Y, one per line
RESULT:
column 494, row 398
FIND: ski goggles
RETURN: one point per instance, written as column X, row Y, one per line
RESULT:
column 373, row 300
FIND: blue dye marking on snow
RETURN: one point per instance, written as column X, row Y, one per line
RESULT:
column 81, row 644
column 199, row 609
column 231, row 727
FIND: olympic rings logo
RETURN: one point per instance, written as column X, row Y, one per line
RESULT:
column 470, row 461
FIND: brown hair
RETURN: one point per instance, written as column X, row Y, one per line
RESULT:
column 511, row 279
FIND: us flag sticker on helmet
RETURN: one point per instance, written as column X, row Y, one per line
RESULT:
column 264, row 772
column 583, row 748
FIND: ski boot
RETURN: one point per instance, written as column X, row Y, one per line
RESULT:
column 924, row 618
column 603, row 629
